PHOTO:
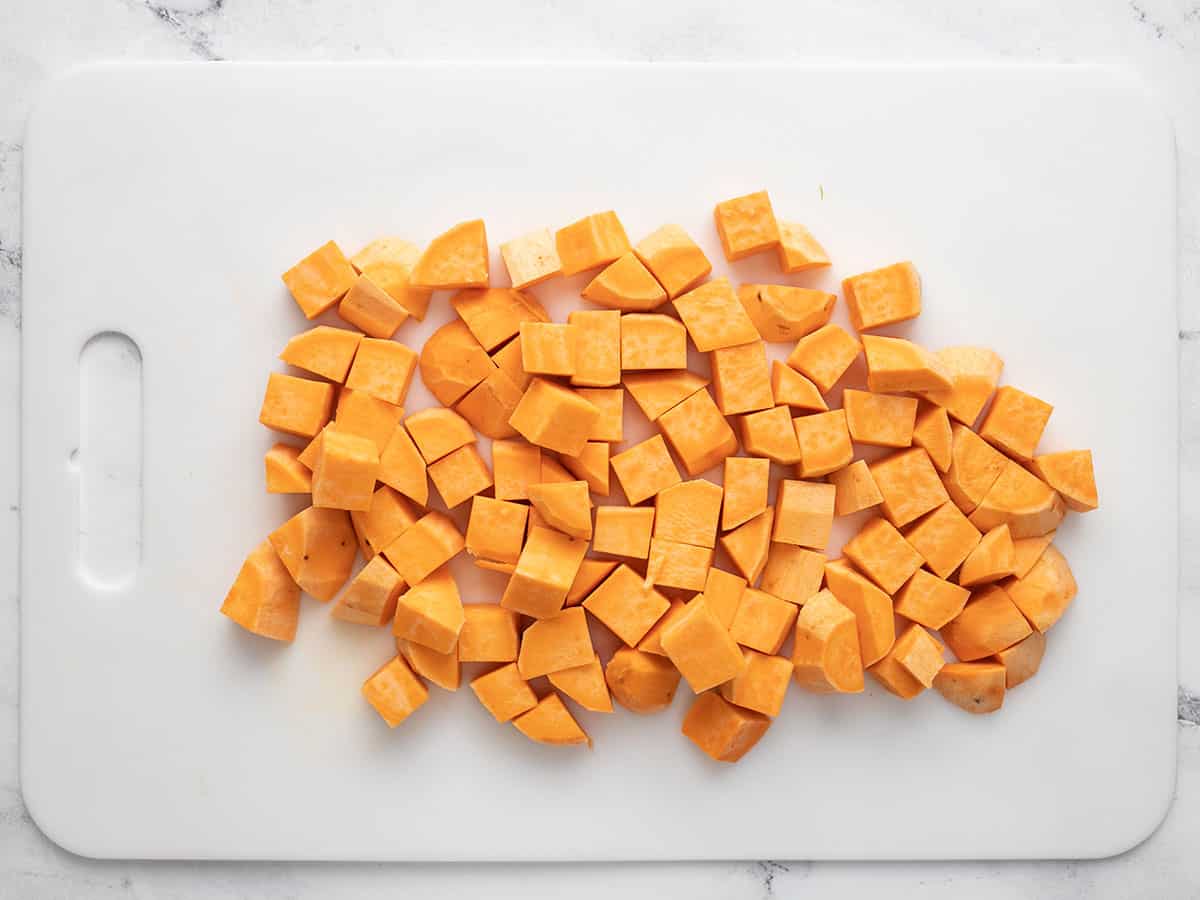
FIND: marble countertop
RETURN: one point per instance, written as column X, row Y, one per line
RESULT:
column 1158, row 38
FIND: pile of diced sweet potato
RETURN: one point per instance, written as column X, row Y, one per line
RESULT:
column 698, row 579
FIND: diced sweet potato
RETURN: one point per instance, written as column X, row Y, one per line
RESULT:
column 701, row 648
column 992, row 559
column 1020, row 500
column 610, row 402
column 545, row 571
column 746, row 225
column 319, row 280
column 872, row 609
column 762, row 621
column 1015, row 422
column 440, row 668
column 989, row 623
column 824, row 441
column 548, row 348
column 361, row 414
column 431, row 542
column 977, row 687
column 746, row 485
column 657, row 392
column 790, row 388
column 944, row 538
column 324, row 351
column 318, row 548
column 723, row 592
column 452, row 362
column 827, row 656
column 264, row 598
column 714, row 318
column 626, row 605
column 883, row 296
column 1021, row 661
column 369, row 307
column 508, row 360
column 504, row 693
column 883, row 554
column 974, row 373
column 688, row 512
column 551, row 645
column 347, row 467
column 531, row 259
column 566, row 506
column 597, row 340
column 641, row 682
column 555, row 417
column 383, row 369
column 516, row 465
column 389, row 262
column 894, row 365
column 595, row 240
column 457, row 258
column 698, row 433
column 761, row 685
column 585, row 685
column 804, row 514
column 430, row 613
column 652, row 341
column 929, row 600
column 437, row 432
column 490, row 404
column 493, row 315
column 674, row 564
column 395, row 691
column 932, row 431
column 855, row 489
column 626, row 284
column 623, row 530
column 674, row 259
column 460, row 475
column 793, row 573
column 489, row 634
column 652, row 641
column 554, row 472
column 770, row 433
column 742, row 378
column 747, row 545
column 645, row 469
column 1044, row 594
column 285, row 473
column 824, row 355
column 882, row 420
column 1070, row 473
column 724, row 731
column 799, row 250
column 974, row 467
column 496, row 529
column 591, row 466
column 402, row 467
column 388, row 516
column 371, row 597
column 782, row 313
column 909, row 484
column 296, row 406
column 912, row 663
column 1027, row 551
column 312, row 451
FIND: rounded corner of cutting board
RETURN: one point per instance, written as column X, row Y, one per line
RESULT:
column 57, row 822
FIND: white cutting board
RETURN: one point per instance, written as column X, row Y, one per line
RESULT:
column 163, row 202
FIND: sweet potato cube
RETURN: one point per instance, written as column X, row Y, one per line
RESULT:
column 369, row 417
column 597, row 338
column 566, row 506
column 429, row 543
column 284, row 471
column 493, row 315
column 989, row 623
column 804, row 514
column 882, row 420
column 931, row 430
column 496, row 529
column 504, row 693
column 383, row 369
column 587, row 579
column 782, row 313
column 591, row 466
column 944, row 538
column 440, row 668
column 296, row 406
column 430, row 613
column 641, row 682
column 554, row 472
column 974, row 373
column 855, row 489
column 627, row 606
column 324, row 351
column 674, row 259
column 548, row 348
column 1015, row 422
column 610, row 427
column 761, row 685
column 319, row 280
column 824, row 441
column 595, row 240
column 457, row 258
column 489, row 405
column 402, row 467
column 675, row 564
column 762, row 621
column 645, row 469
column 799, row 250
column 992, row 559
column 508, row 360
column 688, row 512
column 790, row 388
column 318, row 548
column 723, row 592
column 826, row 656
column 545, row 571
column 912, row 663
column 748, row 544
column 1021, row 500
column 585, row 685
column 872, row 609
column 747, row 480
column 1021, row 661
column 1027, row 551
column 746, row 225
column 793, row 573
column 1044, row 594
column 652, row 341
column 701, row 648
column 714, row 318
column 489, row 634
column 883, row 296
column 742, row 378
column 623, row 530
column 724, row 731
column 395, row 691
column 770, row 433
column 657, row 392
column 652, row 641
column 894, row 365
column 698, row 433
column 452, row 362
column 516, row 465
column 388, row 517
column 437, row 432
column 929, row 600
column 554, row 417
column 974, row 467
column 371, row 597
column 1070, row 473
column 369, row 307
column 626, row 284
column 883, row 554
column 824, row 355
column 264, row 599
column 977, row 687
column 531, row 259
column 388, row 261
column 551, row 645
column 909, row 484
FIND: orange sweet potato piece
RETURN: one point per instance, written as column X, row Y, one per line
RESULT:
column 974, row 373
column 1070, row 473
column 554, row 417
column 652, row 641
column 1044, row 594
column 723, row 592
column 790, row 388
column 504, row 693
column 912, row 663
column 490, row 404
column 746, row 225
column 770, row 433
column 594, row 240
column 361, row 414
column 389, row 516
column 626, row 606
column 264, row 599
column 974, row 467
column 746, row 484
column 652, row 341
column 932, row 431
column 324, row 351
column 597, row 335
column 944, row 538
column 548, row 348
column 623, row 530
column 371, row 597
column 285, row 473
column 855, row 489
column 674, row 564
column 673, row 258
column 824, row 355
column 440, row 668
column 430, row 613
column 742, row 378
column 714, row 318
column 793, row 573
column 626, row 284
column 882, row 420
column 657, row 392
column 551, row 645
column 929, row 600
column 516, row 465
column 872, row 609
column 383, row 369
column 318, row 548
column 698, row 433
column 452, row 362
column 591, row 466
column 585, row 685
column 438, row 432
column 894, row 365
column 883, row 296
column 989, row 623
column 804, row 514
column 296, row 406
column 1020, row 500
column 402, row 467
column 799, row 250
column 429, row 543
column 457, row 258
column 531, row 259
column 493, row 315
column 371, row 308
column 489, row 634
column 762, row 621
column 701, row 648
column 782, row 313
column 827, row 656
column 641, row 682
column 909, row 484
column 460, row 475
column 566, row 506
column 1027, row 551
column 1015, row 422
column 824, row 441
column 554, row 472
column 688, row 512
column 992, row 559
column 977, row 687
column 883, row 554
column 319, row 280
column 748, row 544
column 645, row 469
column 1021, row 661
column 395, row 691
column 344, row 477
column 610, row 427
column 388, row 261
column 545, row 571
column 761, row 685
column 722, row 730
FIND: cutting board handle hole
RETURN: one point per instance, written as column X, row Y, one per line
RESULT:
column 108, row 460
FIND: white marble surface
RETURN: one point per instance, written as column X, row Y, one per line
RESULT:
column 1158, row 38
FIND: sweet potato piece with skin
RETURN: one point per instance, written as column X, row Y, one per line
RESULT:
column 724, row 731
column 318, row 548
column 324, row 351
column 974, row 373
column 762, row 621
column 394, row 691
column 285, row 473
column 804, row 514
column 493, row 315
column 457, row 258
column 883, row 296
column 371, row 597
column 673, row 258
column 687, row 512
column 361, row 414
column 641, row 682
column 645, row 469
column 742, row 378
column 872, row 609
column 319, row 280
column 1015, row 422
column 944, row 538
column 895, row 365
column 490, row 404
column 610, row 427
column 551, row 645
column 516, row 465
column 723, row 592
column 1021, row 661
column 264, row 599
column 932, row 432
column 545, row 571
column 974, row 467
column 883, row 554
column 627, row 285
column 909, row 484
column 554, row 417
column 929, row 600
column 700, row 436
column 426, row 545
column 1027, row 551
column 747, row 481
column 657, row 392
column 992, row 559
column 591, row 466
column 793, row 573
column 531, row 259
column 748, row 544
column 989, row 623
column 700, row 647
column 674, row 564
column 977, row 687
column 585, row 685
column 440, row 668
column 626, row 606
column 855, row 489
column 1070, row 473
column 489, row 634
column 496, row 529
column 402, row 468
column 388, row 517
column 1020, row 500
column 623, row 530
column 782, row 313
column 594, row 240
column 652, row 341
column 746, row 225
column 460, row 475
column 452, row 362
column 297, row 406
column 770, row 433
column 548, row 348
column 388, row 261
column 790, row 388
column 826, row 656
column 566, row 506
column 824, row 356
column 713, row 317
column 383, row 369
column 1044, row 594
column 597, row 347
column 882, row 420
column 430, row 613
column 762, row 684
column 504, row 693
column 369, row 307
column 824, row 441
column 912, row 663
